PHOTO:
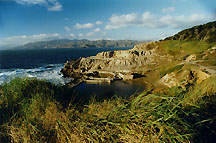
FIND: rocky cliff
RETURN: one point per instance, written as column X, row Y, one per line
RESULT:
column 165, row 62
column 133, row 63
column 124, row 64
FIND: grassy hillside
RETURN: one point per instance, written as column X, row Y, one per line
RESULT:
column 184, row 48
column 205, row 32
column 187, row 47
column 30, row 112
column 199, row 41
column 191, row 41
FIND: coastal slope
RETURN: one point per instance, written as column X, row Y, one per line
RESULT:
column 191, row 52
column 182, row 110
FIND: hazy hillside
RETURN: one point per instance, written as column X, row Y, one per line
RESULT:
column 65, row 43
column 205, row 32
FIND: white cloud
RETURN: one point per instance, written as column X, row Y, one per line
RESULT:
column 183, row 21
column 98, row 22
column 150, row 20
column 72, row 35
column 83, row 26
column 117, row 22
column 67, row 28
column 56, row 7
column 80, row 35
column 97, row 30
column 168, row 9
column 20, row 40
column 89, row 34
column 52, row 5
column 23, row 2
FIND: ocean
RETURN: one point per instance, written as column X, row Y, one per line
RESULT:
column 46, row 64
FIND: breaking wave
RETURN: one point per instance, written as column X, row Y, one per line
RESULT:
column 50, row 72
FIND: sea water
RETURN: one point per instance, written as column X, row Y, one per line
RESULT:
column 46, row 64
column 41, row 63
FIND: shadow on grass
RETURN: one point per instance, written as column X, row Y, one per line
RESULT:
column 203, row 120
column 21, row 97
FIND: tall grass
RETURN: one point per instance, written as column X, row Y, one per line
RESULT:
column 30, row 112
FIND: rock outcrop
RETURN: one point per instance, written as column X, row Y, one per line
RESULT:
column 154, row 59
column 184, row 78
column 124, row 64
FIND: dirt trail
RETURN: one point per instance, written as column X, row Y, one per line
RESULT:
column 206, row 68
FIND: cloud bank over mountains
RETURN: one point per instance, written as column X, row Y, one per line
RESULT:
column 24, row 39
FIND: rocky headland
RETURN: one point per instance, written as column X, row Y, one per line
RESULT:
column 123, row 64
column 171, row 62
column 178, row 107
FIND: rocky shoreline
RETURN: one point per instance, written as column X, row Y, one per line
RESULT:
column 113, row 65
column 141, row 62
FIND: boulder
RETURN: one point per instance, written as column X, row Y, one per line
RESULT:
column 191, row 58
column 170, row 80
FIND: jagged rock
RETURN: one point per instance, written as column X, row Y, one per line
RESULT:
column 126, row 77
column 209, row 52
column 201, row 76
column 125, row 62
column 191, row 58
column 186, row 77
column 170, row 80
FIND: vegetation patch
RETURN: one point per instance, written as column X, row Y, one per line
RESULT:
column 185, row 48
column 170, row 70
column 31, row 113
column 208, row 63
column 205, row 32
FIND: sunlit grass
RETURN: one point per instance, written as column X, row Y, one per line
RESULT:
column 181, row 49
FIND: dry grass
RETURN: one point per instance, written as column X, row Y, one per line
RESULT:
column 175, row 115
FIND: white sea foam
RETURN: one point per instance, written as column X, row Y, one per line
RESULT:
column 49, row 72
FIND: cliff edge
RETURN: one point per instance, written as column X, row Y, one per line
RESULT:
column 123, row 64
column 190, row 54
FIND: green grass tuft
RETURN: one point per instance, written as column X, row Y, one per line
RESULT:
column 30, row 112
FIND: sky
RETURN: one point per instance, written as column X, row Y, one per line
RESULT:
column 24, row 21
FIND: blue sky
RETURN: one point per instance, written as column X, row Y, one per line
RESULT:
column 23, row 21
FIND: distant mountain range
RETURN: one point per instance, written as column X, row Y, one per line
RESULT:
column 66, row 43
